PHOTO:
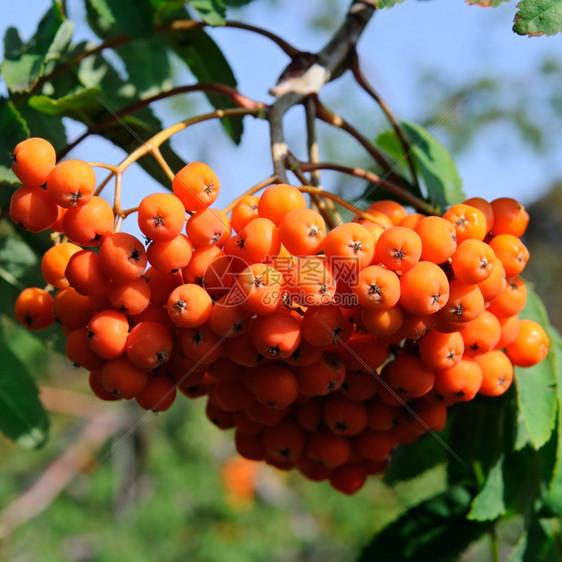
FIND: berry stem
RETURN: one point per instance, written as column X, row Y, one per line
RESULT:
column 363, row 82
column 408, row 198
column 254, row 189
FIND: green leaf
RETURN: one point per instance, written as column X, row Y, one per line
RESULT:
column 45, row 126
column 536, row 395
column 22, row 416
column 553, row 497
column 212, row 12
column 148, row 65
column 432, row 162
column 411, row 460
column 387, row 3
column 24, row 64
column 16, row 257
column 489, row 504
column 538, row 17
column 237, row 3
column 110, row 18
column 517, row 553
column 14, row 130
column 435, row 530
column 82, row 105
column 207, row 63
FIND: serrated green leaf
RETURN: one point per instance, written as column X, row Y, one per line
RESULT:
column 432, row 162
column 435, row 530
column 212, row 12
column 14, row 130
column 22, row 416
column 536, row 395
column 109, row 18
column 208, row 64
column 553, row 496
column 538, row 17
column 148, row 65
column 517, row 553
column 489, row 503
column 82, row 105
column 24, row 64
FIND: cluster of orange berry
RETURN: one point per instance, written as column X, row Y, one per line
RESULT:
column 323, row 349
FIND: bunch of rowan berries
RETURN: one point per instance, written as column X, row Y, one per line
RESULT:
column 323, row 349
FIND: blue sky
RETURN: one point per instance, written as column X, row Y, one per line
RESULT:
column 457, row 40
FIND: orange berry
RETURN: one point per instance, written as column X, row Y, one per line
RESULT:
column 120, row 377
column 441, row 351
column 84, row 274
column 473, row 261
column 344, row 416
column 398, row 248
column 275, row 386
column 71, row 183
column 88, row 224
column 170, row 256
column 33, row 209
column 439, row 239
column 376, row 288
column 258, row 241
column 71, row 309
column 513, row 254
column 33, row 308
column 158, row 394
column 469, row 222
column 122, row 257
column 481, row 334
column 391, row 209
column 54, row 262
column 512, row 300
column 260, row 288
column 302, row 232
column 189, row 306
column 348, row 244
column 161, row 216
column 424, row 289
column 33, row 160
column 497, row 372
column 328, row 449
column 149, row 345
column 465, row 303
column 196, row 185
column 107, row 333
column 244, row 211
column 510, row 217
column 277, row 335
column 530, row 346
column 278, row 200
column 131, row 298
column 208, row 227
column 486, row 209
column 461, row 382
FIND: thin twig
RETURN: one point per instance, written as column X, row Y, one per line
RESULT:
column 311, row 138
column 328, row 116
column 254, row 189
column 363, row 82
column 226, row 91
column 396, row 190
column 307, row 73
